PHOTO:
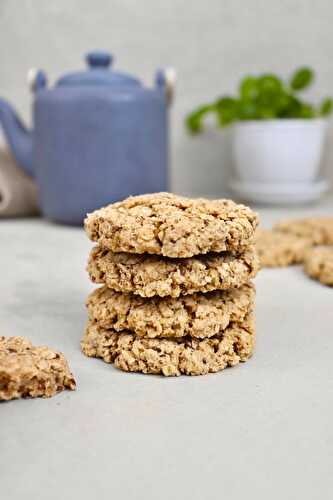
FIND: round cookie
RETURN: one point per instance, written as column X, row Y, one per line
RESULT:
column 319, row 230
column 277, row 249
column 198, row 315
column 149, row 275
column 171, row 357
column 172, row 226
column 318, row 264
column 26, row 370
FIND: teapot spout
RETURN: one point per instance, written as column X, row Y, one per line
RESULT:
column 18, row 137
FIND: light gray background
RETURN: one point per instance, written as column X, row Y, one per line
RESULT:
column 259, row 431
column 210, row 43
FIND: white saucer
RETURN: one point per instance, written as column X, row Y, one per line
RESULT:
column 279, row 193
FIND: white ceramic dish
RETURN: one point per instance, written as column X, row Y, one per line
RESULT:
column 280, row 193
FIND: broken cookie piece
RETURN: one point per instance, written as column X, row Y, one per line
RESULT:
column 30, row 371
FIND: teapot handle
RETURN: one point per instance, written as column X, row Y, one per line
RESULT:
column 166, row 78
column 37, row 79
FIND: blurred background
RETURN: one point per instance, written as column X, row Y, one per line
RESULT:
column 211, row 45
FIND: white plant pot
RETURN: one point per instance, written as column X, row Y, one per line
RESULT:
column 278, row 151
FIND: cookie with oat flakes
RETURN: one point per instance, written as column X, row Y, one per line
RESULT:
column 276, row 249
column 150, row 275
column 319, row 230
column 171, row 357
column 200, row 315
column 172, row 226
column 318, row 264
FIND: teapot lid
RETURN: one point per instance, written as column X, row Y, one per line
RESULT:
column 98, row 73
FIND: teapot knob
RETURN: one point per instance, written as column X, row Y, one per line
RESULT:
column 99, row 59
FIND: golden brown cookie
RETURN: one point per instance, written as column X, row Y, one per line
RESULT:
column 171, row 357
column 276, row 249
column 318, row 264
column 26, row 370
column 149, row 275
column 198, row 315
column 319, row 230
column 172, row 226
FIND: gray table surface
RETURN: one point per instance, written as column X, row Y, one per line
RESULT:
column 261, row 430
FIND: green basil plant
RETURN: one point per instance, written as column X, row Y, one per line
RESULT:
column 264, row 97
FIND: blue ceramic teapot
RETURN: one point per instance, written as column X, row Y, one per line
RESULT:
column 98, row 136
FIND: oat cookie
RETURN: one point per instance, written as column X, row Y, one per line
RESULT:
column 173, row 226
column 171, row 357
column 317, row 229
column 277, row 249
column 149, row 275
column 198, row 315
column 318, row 264
column 26, row 370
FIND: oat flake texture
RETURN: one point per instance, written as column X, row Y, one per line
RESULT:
column 277, row 249
column 318, row 229
column 172, row 226
column 318, row 264
column 26, row 370
column 150, row 275
column 171, row 357
column 200, row 315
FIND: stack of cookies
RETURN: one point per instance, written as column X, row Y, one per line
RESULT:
column 177, row 295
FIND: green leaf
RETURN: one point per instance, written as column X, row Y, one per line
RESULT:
column 291, row 107
column 282, row 105
column 326, row 107
column 261, row 98
column 227, row 110
column 301, row 78
column 194, row 120
column 270, row 83
column 248, row 88
column 267, row 113
column 270, row 92
column 307, row 111
column 267, row 99
column 248, row 110
column 226, row 103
